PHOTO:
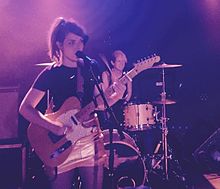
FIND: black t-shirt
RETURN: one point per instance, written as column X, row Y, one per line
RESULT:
column 62, row 83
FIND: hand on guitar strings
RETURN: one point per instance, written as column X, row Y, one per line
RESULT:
column 119, row 90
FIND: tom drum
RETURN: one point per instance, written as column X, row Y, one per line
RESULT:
column 139, row 117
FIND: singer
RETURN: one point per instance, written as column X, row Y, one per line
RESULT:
column 66, row 79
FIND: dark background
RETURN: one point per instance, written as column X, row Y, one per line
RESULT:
column 181, row 32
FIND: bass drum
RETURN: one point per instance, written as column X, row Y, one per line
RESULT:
column 129, row 168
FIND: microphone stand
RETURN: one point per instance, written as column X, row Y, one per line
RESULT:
column 112, row 117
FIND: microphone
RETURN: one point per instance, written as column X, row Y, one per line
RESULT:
column 92, row 64
column 82, row 55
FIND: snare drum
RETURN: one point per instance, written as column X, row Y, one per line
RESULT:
column 130, row 170
column 139, row 116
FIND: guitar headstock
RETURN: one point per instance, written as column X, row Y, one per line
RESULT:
column 146, row 63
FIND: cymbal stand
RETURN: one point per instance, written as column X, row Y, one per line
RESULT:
column 164, row 126
column 164, row 129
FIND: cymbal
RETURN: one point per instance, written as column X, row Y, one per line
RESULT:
column 164, row 65
column 167, row 102
column 45, row 64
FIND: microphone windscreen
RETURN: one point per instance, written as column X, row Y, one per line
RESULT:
column 80, row 54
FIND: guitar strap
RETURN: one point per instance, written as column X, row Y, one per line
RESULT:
column 49, row 98
column 79, row 84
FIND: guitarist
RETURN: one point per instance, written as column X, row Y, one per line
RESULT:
column 65, row 79
column 115, row 68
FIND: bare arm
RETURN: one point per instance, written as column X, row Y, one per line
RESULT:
column 129, row 91
column 29, row 111
column 105, row 80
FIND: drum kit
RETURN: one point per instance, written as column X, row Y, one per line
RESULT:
column 129, row 165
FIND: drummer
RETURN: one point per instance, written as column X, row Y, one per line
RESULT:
column 115, row 70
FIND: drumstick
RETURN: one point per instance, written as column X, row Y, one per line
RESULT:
column 104, row 59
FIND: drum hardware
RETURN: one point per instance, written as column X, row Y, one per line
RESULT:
column 156, row 113
column 163, row 120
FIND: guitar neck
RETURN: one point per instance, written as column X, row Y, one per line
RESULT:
column 123, row 80
column 129, row 76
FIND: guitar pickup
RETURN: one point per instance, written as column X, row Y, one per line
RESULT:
column 61, row 149
column 75, row 121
